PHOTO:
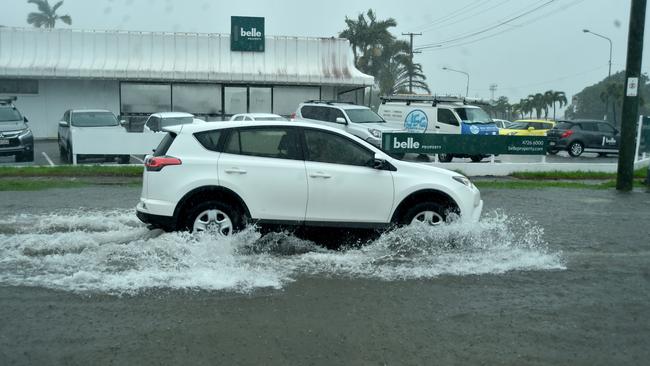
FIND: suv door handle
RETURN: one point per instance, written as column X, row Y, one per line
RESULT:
column 320, row 175
column 235, row 171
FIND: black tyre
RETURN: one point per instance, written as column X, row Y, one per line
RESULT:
column 476, row 158
column 62, row 153
column 216, row 217
column 445, row 158
column 28, row 156
column 576, row 149
column 68, row 155
column 124, row 159
column 552, row 152
column 425, row 212
column 602, row 155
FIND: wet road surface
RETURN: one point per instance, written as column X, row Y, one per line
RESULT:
column 570, row 286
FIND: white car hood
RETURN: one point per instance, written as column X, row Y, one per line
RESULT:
column 384, row 127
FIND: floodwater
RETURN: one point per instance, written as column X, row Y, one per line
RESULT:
column 111, row 252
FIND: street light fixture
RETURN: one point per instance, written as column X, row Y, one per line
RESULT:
column 462, row 72
column 610, row 48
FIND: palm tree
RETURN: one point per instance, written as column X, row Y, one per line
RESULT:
column 538, row 103
column 560, row 98
column 367, row 38
column 548, row 101
column 613, row 94
column 46, row 16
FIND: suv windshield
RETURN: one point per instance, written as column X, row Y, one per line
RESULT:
column 473, row 115
column 9, row 114
column 93, row 119
column 363, row 116
column 176, row 121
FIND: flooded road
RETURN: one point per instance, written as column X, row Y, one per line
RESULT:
column 547, row 277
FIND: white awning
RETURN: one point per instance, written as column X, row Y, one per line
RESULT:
column 192, row 57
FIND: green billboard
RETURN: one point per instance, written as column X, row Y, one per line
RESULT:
column 432, row 143
column 247, row 34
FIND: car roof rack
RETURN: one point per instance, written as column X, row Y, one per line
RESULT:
column 8, row 100
column 330, row 102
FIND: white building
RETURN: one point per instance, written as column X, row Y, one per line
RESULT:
column 135, row 74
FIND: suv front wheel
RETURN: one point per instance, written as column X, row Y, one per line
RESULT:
column 426, row 213
column 215, row 217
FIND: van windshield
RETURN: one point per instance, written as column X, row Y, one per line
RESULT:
column 363, row 116
column 473, row 115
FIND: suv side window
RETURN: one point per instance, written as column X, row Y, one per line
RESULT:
column 327, row 147
column 153, row 124
column 591, row 127
column 333, row 114
column 604, row 127
column 447, row 117
column 266, row 142
column 209, row 139
column 308, row 112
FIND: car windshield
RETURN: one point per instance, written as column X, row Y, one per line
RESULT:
column 473, row 115
column 9, row 114
column 93, row 119
column 173, row 121
column 364, row 116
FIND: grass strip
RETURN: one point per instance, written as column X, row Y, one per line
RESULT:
column 72, row 171
column 38, row 185
column 575, row 175
column 541, row 184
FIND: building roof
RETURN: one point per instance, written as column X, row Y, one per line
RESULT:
column 156, row 56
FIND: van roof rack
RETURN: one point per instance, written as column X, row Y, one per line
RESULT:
column 330, row 102
column 8, row 100
column 433, row 99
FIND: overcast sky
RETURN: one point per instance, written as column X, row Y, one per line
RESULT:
column 545, row 49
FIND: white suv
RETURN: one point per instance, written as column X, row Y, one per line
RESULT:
column 220, row 177
column 351, row 118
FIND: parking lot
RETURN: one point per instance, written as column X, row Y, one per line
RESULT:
column 46, row 152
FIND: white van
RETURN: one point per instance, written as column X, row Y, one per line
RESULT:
column 431, row 114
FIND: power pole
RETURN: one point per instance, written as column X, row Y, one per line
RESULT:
column 411, row 56
column 625, row 176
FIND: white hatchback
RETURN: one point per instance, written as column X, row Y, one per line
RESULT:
column 220, row 177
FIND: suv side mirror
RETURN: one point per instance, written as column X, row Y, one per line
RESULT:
column 63, row 123
column 25, row 119
column 381, row 164
column 341, row 120
column 123, row 123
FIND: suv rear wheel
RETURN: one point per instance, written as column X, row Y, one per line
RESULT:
column 576, row 149
column 215, row 217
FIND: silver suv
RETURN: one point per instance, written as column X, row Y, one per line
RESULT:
column 351, row 118
column 15, row 136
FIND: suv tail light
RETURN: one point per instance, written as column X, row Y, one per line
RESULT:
column 566, row 134
column 156, row 163
column 293, row 116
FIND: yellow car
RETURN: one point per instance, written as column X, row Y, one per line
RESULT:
column 527, row 127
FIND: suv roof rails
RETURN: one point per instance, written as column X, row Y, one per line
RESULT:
column 433, row 99
column 8, row 100
column 330, row 102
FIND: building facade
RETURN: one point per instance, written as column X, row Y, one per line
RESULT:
column 135, row 74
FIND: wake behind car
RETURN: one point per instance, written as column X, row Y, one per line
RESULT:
column 219, row 177
column 580, row 136
column 80, row 119
column 354, row 119
column 15, row 136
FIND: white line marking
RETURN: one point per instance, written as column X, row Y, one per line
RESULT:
column 47, row 158
column 137, row 158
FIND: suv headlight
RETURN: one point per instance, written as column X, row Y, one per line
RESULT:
column 24, row 132
column 375, row 132
column 463, row 180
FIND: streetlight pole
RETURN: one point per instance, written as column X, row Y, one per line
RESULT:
column 462, row 72
column 609, row 73
column 610, row 48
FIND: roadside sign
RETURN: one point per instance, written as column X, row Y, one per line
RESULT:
column 463, row 144
column 247, row 34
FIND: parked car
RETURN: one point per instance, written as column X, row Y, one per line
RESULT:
column 580, row 136
column 355, row 119
column 257, row 117
column 219, row 177
column 501, row 123
column 158, row 121
column 15, row 136
column 83, row 119
column 527, row 127
column 433, row 114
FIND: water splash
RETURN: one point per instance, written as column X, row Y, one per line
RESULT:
column 112, row 252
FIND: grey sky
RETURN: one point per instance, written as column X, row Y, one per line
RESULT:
column 543, row 50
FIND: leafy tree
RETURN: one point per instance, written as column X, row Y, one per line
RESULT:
column 46, row 16
column 377, row 53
